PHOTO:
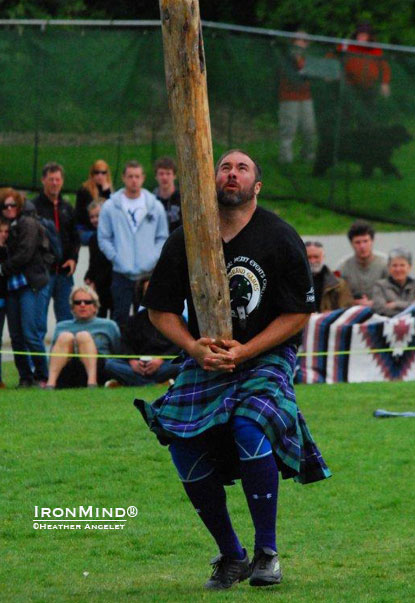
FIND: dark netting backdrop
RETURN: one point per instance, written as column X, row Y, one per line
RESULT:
column 73, row 94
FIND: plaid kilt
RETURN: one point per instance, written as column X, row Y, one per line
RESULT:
column 201, row 403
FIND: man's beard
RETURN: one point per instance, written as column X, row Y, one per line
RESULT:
column 316, row 268
column 235, row 198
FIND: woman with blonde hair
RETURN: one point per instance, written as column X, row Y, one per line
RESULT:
column 98, row 187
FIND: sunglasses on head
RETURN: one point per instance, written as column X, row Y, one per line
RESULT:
column 9, row 205
column 87, row 302
column 100, row 171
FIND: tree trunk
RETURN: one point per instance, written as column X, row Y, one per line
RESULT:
column 187, row 92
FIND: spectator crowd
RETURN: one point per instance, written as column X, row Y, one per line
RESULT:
column 125, row 231
column 40, row 240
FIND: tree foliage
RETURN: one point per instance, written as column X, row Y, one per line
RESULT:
column 393, row 20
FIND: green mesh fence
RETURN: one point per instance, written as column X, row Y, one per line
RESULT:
column 73, row 94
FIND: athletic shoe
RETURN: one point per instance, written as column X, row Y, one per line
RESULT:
column 112, row 383
column 227, row 572
column 266, row 569
column 24, row 383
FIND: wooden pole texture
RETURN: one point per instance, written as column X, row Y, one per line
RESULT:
column 185, row 68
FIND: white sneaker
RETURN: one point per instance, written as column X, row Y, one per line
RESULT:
column 112, row 383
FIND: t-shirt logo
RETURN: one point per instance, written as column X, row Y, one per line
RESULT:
column 247, row 283
column 309, row 296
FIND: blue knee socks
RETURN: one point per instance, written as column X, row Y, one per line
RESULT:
column 260, row 484
column 209, row 499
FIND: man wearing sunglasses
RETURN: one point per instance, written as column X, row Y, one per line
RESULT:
column 86, row 335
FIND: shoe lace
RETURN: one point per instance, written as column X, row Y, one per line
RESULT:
column 224, row 569
column 262, row 559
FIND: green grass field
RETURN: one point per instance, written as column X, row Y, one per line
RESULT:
column 350, row 538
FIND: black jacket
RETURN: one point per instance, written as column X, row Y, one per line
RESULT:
column 83, row 199
column 3, row 279
column 67, row 228
column 141, row 337
column 28, row 252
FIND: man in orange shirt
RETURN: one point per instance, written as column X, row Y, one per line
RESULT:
column 367, row 74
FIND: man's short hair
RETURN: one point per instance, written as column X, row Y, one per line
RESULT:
column 133, row 163
column 52, row 167
column 89, row 291
column 313, row 244
column 258, row 169
column 165, row 163
column 360, row 228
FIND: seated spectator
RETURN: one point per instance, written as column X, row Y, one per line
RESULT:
column 98, row 187
column 393, row 294
column 84, row 334
column 331, row 292
column 4, row 234
column 143, row 340
column 362, row 269
column 27, row 270
column 99, row 273
column 165, row 171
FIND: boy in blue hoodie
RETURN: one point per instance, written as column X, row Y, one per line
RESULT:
column 131, row 232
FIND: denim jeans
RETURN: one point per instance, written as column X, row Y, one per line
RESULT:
column 2, row 317
column 59, row 289
column 122, row 290
column 119, row 369
column 84, row 233
column 26, row 317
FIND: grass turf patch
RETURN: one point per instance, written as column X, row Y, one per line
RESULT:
column 349, row 538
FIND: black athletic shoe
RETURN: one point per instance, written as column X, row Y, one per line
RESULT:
column 25, row 383
column 227, row 572
column 266, row 569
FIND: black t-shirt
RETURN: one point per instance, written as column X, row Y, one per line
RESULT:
column 268, row 273
column 172, row 205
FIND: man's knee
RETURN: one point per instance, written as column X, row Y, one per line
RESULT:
column 250, row 439
column 83, row 338
column 191, row 461
column 65, row 338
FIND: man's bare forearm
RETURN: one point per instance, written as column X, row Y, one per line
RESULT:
column 173, row 327
column 276, row 333
column 279, row 330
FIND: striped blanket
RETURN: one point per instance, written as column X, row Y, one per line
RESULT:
column 340, row 346
column 202, row 402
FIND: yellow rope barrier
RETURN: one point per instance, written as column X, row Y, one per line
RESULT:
column 135, row 356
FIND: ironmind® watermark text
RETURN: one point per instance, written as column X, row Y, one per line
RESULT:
column 82, row 517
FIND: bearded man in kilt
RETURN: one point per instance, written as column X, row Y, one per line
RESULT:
column 231, row 412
